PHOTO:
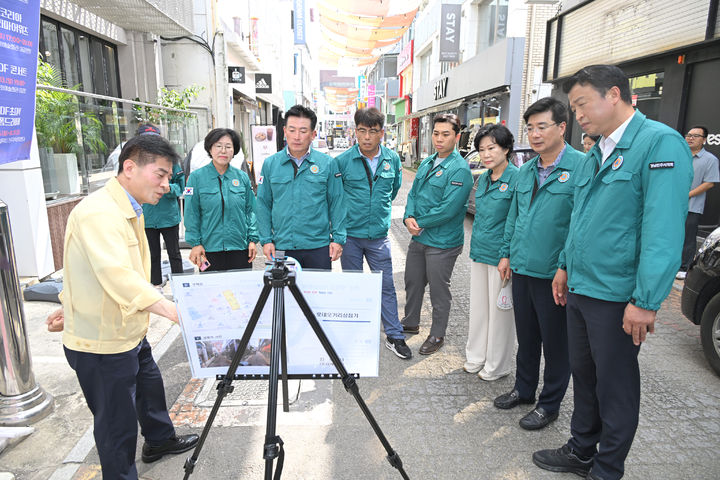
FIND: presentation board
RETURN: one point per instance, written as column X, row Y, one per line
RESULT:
column 215, row 308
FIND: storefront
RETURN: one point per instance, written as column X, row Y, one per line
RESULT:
column 673, row 78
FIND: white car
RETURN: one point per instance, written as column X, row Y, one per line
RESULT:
column 321, row 146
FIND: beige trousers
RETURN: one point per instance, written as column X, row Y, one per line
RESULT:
column 491, row 332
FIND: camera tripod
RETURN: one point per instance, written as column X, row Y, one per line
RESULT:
column 276, row 279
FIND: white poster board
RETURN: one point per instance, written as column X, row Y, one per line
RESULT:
column 215, row 308
column 264, row 144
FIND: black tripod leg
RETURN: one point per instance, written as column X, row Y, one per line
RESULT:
column 283, row 364
column 225, row 385
column 273, row 443
column 348, row 381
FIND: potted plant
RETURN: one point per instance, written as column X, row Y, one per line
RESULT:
column 57, row 115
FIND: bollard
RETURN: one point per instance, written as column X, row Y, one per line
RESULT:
column 22, row 401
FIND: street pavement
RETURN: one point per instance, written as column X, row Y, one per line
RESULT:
column 438, row 418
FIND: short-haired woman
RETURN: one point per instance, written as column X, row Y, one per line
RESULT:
column 220, row 222
column 491, row 331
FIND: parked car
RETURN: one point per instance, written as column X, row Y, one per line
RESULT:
column 520, row 156
column 701, row 297
column 320, row 145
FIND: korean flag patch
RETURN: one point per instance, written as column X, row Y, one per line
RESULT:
column 188, row 191
column 260, row 180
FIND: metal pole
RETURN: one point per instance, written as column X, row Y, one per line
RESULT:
column 22, row 401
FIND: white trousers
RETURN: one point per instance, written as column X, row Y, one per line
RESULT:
column 491, row 332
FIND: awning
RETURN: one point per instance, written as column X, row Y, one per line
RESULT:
column 437, row 108
column 168, row 18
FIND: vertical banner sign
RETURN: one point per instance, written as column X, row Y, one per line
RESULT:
column 19, row 23
column 264, row 144
column 371, row 96
column 450, row 33
column 299, row 27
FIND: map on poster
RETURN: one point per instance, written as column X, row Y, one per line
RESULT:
column 215, row 308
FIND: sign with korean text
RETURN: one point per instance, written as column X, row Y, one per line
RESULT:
column 264, row 144
column 450, row 33
column 215, row 308
column 19, row 24
column 371, row 96
column 405, row 57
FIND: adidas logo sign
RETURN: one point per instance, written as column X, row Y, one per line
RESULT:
column 261, row 84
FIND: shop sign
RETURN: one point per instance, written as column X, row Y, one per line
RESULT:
column 440, row 90
column 405, row 57
column 263, row 83
column 450, row 33
column 299, row 20
column 236, row 74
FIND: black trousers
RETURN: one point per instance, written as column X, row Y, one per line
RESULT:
column 172, row 244
column 541, row 328
column 606, row 383
column 315, row 258
column 230, row 260
column 122, row 389
column 690, row 245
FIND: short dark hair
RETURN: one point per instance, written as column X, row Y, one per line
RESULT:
column 144, row 149
column 548, row 104
column 602, row 78
column 701, row 127
column 147, row 129
column 217, row 133
column 450, row 118
column 499, row 133
column 594, row 138
column 302, row 112
column 370, row 117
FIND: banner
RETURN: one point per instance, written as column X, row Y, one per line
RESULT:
column 371, row 96
column 215, row 308
column 263, row 145
column 405, row 57
column 19, row 27
column 450, row 33
column 299, row 21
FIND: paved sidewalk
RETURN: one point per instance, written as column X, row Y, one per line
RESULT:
column 439, row 418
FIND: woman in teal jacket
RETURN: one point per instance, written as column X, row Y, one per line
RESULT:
column 220, row 222
column 491, row 331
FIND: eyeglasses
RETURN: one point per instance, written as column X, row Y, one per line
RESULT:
column 540, row 128
column 694, row 135
column 365, row 131
column 219, row 146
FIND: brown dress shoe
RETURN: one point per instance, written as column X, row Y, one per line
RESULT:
column 431, row 345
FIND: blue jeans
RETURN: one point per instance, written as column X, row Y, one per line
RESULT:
column 377, row 253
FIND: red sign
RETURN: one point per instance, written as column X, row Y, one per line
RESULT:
column 405, row 57
column 414, row 127
column 634, row 100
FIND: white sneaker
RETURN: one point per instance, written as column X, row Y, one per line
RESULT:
column 470, row 367
column 681, row 275
column 491, row 378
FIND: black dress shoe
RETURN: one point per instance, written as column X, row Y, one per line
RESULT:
column 538, row 418
column 511, row 400
column 173, row 445
column 563, row 459
column 431, row 345
column 411, row 330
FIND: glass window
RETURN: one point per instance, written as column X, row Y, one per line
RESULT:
column 111, row 70
column 71, row 75
column 98, row 68
column 85, row 66
column 647, row 93
column 51, row 50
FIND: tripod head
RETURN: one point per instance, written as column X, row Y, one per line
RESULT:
column 281, row 271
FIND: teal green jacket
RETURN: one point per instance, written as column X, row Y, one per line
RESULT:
column 628, row 223
column 492, row 202
column 438, row 201
column 220, row 210
column 166, row 213
column 539, row 217
column 303, row 209
column 368, row 196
